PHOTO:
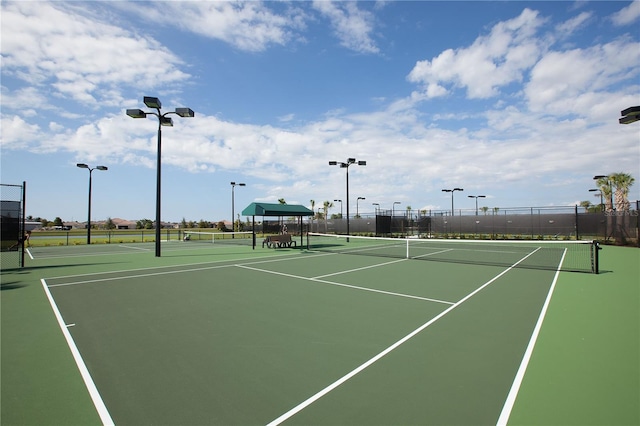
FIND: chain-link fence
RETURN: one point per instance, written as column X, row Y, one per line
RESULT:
column 12, row 230
column 569, row 223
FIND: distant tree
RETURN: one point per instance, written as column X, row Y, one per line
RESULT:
column 44, row 223
column 144, row 224
column 586, row 204
column 484, row 209
column 220, row 226
column 109, row 224
column 204, row 224
column 191, row 224
column 622, row 182
column 183, row 224
column 326, row 206
column 57, row 222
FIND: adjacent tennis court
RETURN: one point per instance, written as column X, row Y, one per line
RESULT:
column 298, row 336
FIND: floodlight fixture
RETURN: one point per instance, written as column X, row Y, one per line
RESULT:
column 630, row 115
column 136, row 113
column 166, row 121
column 82, row 166
column 152, row 102
column 185, row 112
column 333, row 163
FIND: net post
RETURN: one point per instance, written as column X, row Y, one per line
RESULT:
column 407, row 256
column 595, row 256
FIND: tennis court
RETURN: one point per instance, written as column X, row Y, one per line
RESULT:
column 223, row 334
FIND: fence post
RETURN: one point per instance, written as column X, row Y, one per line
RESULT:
column 576, row 220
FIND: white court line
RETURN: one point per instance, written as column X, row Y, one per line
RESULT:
column 408, row 296
column 84, row 372
column 151, row 274
column 280, row 257
column 359, row 269
column 517, row 382
column 133, row 248
column 29, row 253
column 370, row 362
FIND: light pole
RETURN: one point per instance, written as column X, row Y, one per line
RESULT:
column 452, row 191
column 601, row 198
column 476, row 197
column 345, row 165
column 84, row 166
column 597, row 178
column 163, row 120
column 393, row 208
column 357, row 208
column 233, row 204
column 339, row 201
column 376, row 208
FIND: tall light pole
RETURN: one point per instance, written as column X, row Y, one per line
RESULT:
column 233, row 204
column 345, row 165
column 452, row 191
column 393, row 208
column 163, row 120
column 339, row 201
column 476, row 197
column 84, row 166
column 376, row 208
column 357, row 208
column 601, row 197
column 608, row 182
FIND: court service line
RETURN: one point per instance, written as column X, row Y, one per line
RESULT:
column 517, row 382
column 105, row 417
column 379, row 356
column 316, row 280
column 359, row 269
column 152, row 274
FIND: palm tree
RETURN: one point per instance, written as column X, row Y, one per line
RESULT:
column 604, row 184
column 621, row 182
column 326, row 206
column 484, row 209
column 313, row 209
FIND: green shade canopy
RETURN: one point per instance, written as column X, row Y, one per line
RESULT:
column 273, row 209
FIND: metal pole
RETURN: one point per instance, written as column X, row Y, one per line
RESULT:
column 233, row 221
column 347, row 200
column 89, row 214
column 158, row 180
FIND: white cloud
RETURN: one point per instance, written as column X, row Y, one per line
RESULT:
column 63, row 47
column 248, row 26
column 568, row 27
column 491, row 62
column 562, row 79
column 352, row 26
column 627, row 15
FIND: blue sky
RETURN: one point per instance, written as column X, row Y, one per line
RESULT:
column 515, row 100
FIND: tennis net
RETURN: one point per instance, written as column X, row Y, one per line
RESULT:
column 240, row 238
column 574, row 256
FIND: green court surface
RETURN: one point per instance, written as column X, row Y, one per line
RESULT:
column 227, row 335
